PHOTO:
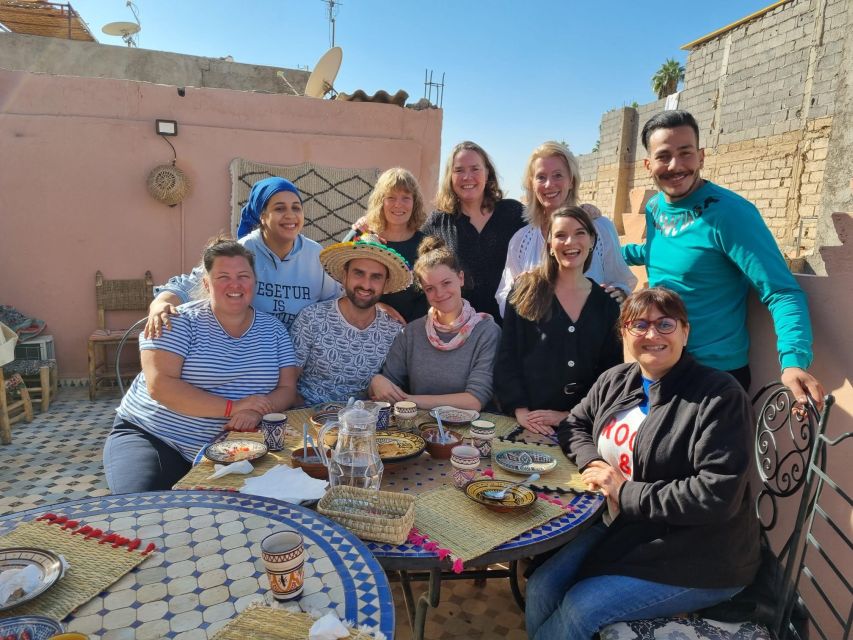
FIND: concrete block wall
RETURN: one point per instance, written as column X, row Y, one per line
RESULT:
column 764, row 94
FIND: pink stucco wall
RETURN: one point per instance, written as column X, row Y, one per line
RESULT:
column 75, row 154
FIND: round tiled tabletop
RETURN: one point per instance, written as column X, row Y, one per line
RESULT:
column 208, row 566
column 424, row 473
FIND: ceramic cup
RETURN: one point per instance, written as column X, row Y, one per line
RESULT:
column 466, row 464
column 273, row 426
column 284, row 560
column 384, row 415
column 482, row 432
column 406, row 414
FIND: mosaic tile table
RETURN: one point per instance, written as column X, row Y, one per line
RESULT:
column 208, row 566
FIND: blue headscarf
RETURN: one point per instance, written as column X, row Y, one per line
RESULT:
column 262, row 191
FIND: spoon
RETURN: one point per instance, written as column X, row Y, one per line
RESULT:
column 442, row 436
column 500, row 494
column 304, row 440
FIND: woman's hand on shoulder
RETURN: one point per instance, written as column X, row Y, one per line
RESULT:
column 523, row 416
column 261, row 405
column 159, row 312
column 382, row 389
column 246, row 420
column 392, row 312
column 615, row 292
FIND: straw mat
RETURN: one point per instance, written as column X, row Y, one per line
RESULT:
column 564, row 477
column 198, row 477
column 92, row 567
column 469, row 529
column 260, row 621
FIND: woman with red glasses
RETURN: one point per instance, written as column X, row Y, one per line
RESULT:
column 667, row 441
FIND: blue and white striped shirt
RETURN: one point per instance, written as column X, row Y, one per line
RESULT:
column 215, row 362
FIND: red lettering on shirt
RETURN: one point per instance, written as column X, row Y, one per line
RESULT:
column 625, row 464
column 605, row 432
column 631, row 441
column 621, row 434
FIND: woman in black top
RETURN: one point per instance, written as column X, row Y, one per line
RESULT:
column 475, row 222
column 395, row 213
column 559, row 330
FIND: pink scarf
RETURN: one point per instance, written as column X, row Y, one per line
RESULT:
column 462, row 327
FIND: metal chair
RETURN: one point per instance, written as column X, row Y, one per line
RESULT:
column 113, row 295
column 790, row 452
column 133, row 331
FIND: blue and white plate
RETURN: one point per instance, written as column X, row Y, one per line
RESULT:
column 37, row 627
column 524, row 461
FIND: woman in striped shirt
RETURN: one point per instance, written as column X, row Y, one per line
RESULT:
column 222, row 366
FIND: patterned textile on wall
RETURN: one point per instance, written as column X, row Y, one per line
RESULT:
column 333, row 198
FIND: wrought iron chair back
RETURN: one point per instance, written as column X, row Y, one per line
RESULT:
column 790, row 450
column 136, row 327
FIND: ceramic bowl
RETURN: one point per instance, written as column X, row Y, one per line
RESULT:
column 436, row 449
column 314, row 467
column 451, row 416
column 228, row 451
column 34, row 627
column 318, row 420
column 46, row 562
column 516, row 499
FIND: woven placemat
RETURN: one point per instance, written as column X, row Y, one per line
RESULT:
column 92, row 566
column 564, row 477
column 261, row 621
column 198, row 477
column 452, row 521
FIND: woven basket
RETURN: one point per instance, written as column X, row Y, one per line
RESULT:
column 168, row 184
column 390, row 519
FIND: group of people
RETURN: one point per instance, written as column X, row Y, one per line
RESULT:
column 526, row 310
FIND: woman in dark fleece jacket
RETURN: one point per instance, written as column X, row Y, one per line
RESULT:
column 667, row 441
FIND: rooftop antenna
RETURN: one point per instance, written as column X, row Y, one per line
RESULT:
column 125, row 29
column 428, row 87
column 333, row 13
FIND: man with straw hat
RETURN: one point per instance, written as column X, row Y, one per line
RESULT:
column 341, row 344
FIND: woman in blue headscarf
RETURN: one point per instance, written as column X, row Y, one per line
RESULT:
column 289, row 273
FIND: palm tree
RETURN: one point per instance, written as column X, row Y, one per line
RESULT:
column 666, row 80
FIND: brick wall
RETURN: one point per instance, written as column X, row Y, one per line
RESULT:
column 764, row 94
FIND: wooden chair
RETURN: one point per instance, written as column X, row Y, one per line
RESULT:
column 15, row 405
column 41, row 377
column 790, row 452
column 113, row 295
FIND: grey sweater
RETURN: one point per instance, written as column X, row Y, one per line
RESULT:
column 417, row 367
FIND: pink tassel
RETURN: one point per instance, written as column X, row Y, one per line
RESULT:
column 71, row 524
column 430, row 546
column 457, row 565
column 108, row 538
column 60, row 520
column 443, row 553
column 120, row 540
column 84, row 530
column 48, row 516
column 134, row 544
column 149, row 549
column 489, row 473
column 94, row 533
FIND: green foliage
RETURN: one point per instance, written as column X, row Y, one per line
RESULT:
column 666, row 80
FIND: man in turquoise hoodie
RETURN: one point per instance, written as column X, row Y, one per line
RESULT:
column 710, row 245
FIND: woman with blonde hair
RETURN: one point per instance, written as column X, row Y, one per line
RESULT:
column 395, row 213
column 447, row 356
column 475, row 221
column 559, row 329
column 552, row 180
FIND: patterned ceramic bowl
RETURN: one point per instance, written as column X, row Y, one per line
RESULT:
column 34, row 627
column 516, row 499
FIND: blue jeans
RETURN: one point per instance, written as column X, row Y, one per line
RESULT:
column 135, row 461
column 558, row 607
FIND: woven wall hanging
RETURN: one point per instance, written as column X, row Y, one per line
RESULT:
column 168, row 184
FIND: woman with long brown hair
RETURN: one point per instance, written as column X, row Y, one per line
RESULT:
column 558, row 332
column 475, row 221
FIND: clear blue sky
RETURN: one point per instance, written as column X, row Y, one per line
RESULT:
column 517, row 72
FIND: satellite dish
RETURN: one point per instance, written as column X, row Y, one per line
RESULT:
column 120, row 28
column 321, row 80
column 124, row 29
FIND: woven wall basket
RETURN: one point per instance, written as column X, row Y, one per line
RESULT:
column 168, row 184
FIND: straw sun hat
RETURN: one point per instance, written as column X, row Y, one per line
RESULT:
column 335, row 257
